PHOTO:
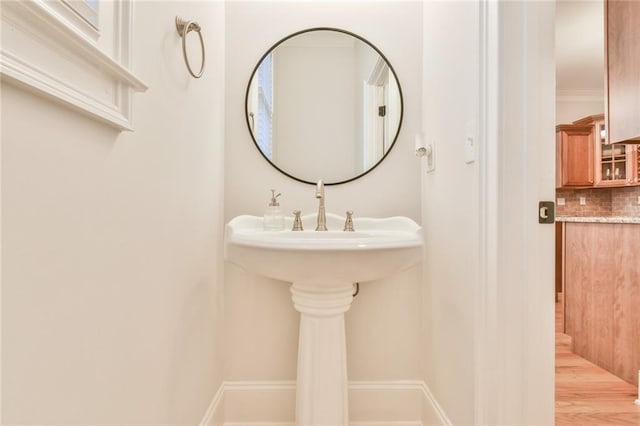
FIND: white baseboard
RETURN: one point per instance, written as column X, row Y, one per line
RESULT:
column 432, row 412
column 214, row 416
column 272, row 403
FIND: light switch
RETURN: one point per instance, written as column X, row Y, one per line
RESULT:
column 469, row 150
column 470, row 142
column 431, row 157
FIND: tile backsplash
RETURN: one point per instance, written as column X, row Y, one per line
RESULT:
column 624, row 201
column 599, row 202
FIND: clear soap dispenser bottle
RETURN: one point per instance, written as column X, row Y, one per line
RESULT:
column 273, row 216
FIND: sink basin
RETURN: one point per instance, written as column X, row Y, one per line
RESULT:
column 322, row 268
column 377, row 249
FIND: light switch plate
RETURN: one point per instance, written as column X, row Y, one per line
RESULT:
column 583, row 201
column 470, row 142
column 431, row 157
column 560, row 201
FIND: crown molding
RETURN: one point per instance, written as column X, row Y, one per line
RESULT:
column 580, row 95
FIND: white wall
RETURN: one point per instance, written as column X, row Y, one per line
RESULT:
column 111, row 245
column 570, row 109
column 383, row 326
column 450, row 204
column 489, row 265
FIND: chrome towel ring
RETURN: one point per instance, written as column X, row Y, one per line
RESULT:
column 184, row 27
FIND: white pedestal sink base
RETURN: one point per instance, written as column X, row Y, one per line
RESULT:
column 321, row 392
column 322, row 267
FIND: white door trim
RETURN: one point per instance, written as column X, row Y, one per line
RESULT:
column 514, row 382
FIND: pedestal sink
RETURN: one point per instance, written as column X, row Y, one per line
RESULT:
column 322, row 268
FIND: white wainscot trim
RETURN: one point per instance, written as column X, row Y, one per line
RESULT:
column 373, row 403
column 43, row 51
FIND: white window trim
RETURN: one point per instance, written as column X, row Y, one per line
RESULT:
column 44, row 51
column 78, row 13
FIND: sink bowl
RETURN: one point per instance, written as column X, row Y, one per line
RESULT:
column 322, row 267
column 377, row 249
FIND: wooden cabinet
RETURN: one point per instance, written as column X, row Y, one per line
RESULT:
column 637, row 161
column 602, row 295
column 574, row 156
column 622, row 70
column 559, row 260
column 584, row 158
column 615, row 164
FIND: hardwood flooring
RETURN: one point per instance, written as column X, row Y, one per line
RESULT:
column 587, row 395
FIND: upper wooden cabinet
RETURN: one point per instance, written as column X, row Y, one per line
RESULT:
column 622, row 70
column 637, row 157
column 585, row 159
column 614, row 164
column 574, row 155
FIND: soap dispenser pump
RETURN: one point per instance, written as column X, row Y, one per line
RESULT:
column 273, row 215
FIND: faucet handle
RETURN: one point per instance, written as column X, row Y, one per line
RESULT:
column 348, row 223
column 297, row 222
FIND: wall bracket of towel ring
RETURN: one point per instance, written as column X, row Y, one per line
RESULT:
column 184, row 27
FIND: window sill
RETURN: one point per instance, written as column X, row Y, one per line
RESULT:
column 43, row 51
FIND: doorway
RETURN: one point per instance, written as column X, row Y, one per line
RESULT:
column 585, row 393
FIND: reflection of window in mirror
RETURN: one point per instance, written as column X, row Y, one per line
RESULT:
column 260, row 105
column 382, row 114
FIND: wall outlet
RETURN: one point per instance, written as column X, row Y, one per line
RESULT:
column 638, row 199
column 583, row 201
column 560, row 201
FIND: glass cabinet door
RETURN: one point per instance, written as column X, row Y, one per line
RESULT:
column 614, row 163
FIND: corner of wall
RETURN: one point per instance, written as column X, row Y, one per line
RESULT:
column 214, row 416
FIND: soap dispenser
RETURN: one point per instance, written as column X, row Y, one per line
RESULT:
column 273, row 216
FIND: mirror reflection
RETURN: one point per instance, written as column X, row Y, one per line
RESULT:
column 324, row 104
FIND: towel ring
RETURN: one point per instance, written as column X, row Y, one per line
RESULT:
column 184, row 27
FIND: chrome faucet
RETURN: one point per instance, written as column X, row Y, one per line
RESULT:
column 322, row 218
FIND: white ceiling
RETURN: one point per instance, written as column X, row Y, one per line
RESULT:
column 579, row 46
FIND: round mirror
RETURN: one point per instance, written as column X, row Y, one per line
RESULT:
column 324, row 104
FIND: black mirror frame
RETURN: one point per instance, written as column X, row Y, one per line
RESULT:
column 246, row 101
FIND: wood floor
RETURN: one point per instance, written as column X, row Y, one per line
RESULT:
column 587, row 395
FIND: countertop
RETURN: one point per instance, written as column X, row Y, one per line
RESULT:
column 599, row 219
